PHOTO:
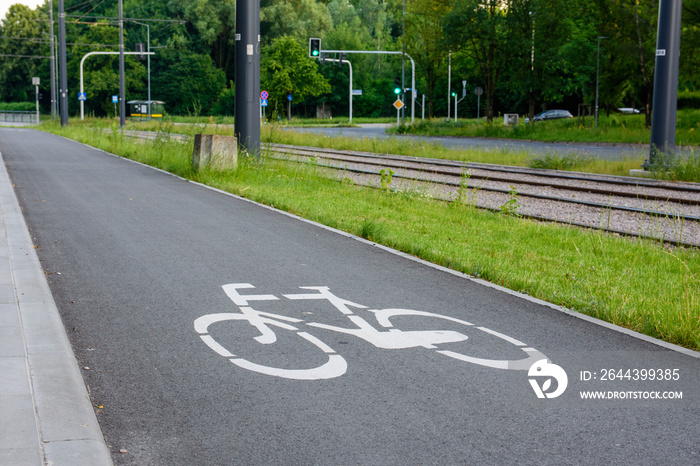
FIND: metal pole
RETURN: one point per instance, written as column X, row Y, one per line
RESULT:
column 56, row 74
column 597, row 77
column 53, row 64
column 478, row 107
column 665, row 101
column 422, row 117
column 455, row 107
column 122, row 92
column 63, row 78
column 449, row 83
column 36, row 94
column 413, row 90
column 403, row 59
column 350, row 65
column 148, row 58
column 82, row 61
column 247, row 123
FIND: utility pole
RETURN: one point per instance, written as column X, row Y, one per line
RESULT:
column 63, row 78
column 53, row 63
column 665, row 102
column 122, row 92
column 247, row 121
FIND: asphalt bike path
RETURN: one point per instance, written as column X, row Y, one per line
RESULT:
column 211, row 330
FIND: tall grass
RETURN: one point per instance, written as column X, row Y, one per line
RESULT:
column 638, row 284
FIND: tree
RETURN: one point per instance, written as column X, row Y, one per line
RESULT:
column 425, row 41
column 189, row 83
column 20, row 39
column 299, row 19
column 212, row 23
column 550, row 55
column 101, row 72
column 479, row 28
column 285, row 68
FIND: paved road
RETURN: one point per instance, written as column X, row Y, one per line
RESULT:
column 604, row 151
column 138, row 261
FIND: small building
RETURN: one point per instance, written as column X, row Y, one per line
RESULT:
column 138, row 109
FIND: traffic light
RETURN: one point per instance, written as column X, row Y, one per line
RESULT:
column 397, row 86
column 314, row 48
column 454, row 93
column 141, row 50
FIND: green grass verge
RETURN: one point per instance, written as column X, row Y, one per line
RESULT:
column 405, row 146
column 295, row 121
column 638, row 284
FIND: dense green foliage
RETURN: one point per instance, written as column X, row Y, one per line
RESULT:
column 526, row 54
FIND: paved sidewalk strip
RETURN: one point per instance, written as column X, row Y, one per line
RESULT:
column 46, row 417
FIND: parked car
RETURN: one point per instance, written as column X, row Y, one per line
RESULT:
column 551, row 115
column 629, row 110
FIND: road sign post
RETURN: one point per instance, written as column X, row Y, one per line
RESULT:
column 263, row 103
column 36, row 81
column 478, row 91
column 398, row 105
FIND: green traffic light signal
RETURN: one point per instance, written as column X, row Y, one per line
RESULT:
column 397, row 91
column 314, row 47
column 453, row 94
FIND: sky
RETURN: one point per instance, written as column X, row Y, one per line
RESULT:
column 5, row 5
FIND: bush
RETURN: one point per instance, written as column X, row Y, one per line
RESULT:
column 688, row 99
column 17, row 106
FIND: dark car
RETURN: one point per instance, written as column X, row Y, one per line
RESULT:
column 551, row 115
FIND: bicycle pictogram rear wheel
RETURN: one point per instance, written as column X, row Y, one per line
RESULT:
column 334, row 365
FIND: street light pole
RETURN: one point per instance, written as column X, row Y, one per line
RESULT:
column 403, row 60
column 148, row 58
column 122, row 92
column 597, row 77
column 449, row 82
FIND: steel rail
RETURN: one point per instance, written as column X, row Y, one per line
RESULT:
column 382, row 161
column 575, row 176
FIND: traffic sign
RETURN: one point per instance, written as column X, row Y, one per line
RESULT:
column 115, row 99
column 264, row 95
column 82, row 96
column 289, row 97
column 478, row 91
column 398, row 104
column 263, row 102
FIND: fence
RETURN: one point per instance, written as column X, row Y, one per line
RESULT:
column 13, row 116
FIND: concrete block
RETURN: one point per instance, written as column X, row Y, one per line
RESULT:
column 215, row 151
column 640, row 173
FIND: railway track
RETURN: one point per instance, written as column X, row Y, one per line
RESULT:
column 661, row 210
column 667, row 211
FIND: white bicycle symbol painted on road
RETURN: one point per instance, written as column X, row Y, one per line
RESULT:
column 385, row 336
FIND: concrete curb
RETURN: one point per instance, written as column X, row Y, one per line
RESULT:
column 67, row 431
